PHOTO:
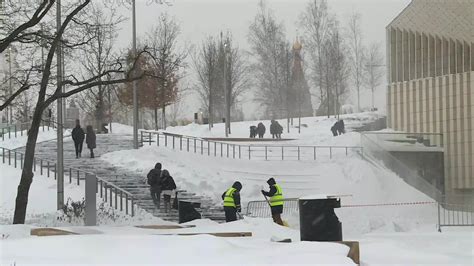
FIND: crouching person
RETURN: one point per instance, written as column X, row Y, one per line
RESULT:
column 167, row 187
column 232, row 202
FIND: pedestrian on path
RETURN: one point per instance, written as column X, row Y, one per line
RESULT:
column 90, row 139
column 154, row 181
column 167, row 187
column 276, row 200
column 78, row 138
column 232, row 202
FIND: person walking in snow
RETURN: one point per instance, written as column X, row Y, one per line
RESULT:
column 231, row 199
column 167, row 187
column 276, row 129
column 90, row 139
column 78, row 138
column 154, row 181
column 276, row 200
column 261, row 130
column 253, row 132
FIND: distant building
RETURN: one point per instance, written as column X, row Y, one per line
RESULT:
column 430, row 59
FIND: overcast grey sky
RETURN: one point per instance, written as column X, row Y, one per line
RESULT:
column 200, row 18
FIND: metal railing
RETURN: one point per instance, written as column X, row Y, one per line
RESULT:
column 455, row 214
column 378, row 153
column 448, row 214
column 117, row 197
column 243, row 151
column 19, row 129
column 260, row 208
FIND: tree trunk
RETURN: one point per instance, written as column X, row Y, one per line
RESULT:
column 156, row 118
column 163, row 116
column 27, row 172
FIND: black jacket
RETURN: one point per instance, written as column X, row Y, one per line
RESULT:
column 167, row 183
column 78, row 134
column 236, row 199
column 270, row 193
column 154, row 177
column 91, row 140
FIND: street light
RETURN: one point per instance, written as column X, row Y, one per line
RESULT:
column 134, row 83
column 227, row 95
column 59, row 109
column 10, row 82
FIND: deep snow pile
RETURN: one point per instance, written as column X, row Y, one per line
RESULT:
column 20, row 141
column 41, row 208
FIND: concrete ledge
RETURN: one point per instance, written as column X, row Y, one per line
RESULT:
column 219, row 234
column 164, row 226
column 50, row 232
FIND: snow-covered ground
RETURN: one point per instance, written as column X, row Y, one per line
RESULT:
column 20, row 141
column 41, row 208
column 401, row 235
column 314, row 130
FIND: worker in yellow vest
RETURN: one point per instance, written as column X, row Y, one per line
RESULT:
column 276, row 200
column 231, row 199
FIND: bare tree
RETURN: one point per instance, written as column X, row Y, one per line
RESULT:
column 114, row 73
column 373, row 70
column 169, row 61
column 267, row 41
column 316, row 22
column 356, row 52
column 103, row 33
column 209, row 66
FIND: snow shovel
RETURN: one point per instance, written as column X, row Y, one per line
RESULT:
column 268, row 202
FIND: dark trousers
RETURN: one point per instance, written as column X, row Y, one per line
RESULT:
column 155, row 193
column 78, row 147
column 92, row 153
column 230, row 214
column 276, row 214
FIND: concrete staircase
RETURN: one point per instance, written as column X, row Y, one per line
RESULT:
column 130, row 181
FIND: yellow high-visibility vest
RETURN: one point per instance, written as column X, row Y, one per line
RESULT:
column 277, row 198
column 229, row 198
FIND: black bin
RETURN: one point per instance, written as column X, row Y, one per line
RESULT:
column 187, row 211
column 318, row 222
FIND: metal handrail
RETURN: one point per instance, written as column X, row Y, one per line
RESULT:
column 237, row 151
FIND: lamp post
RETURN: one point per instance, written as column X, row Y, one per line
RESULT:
column 59, row 109
column 227, row 94
column 10, row 82
column 134, row 83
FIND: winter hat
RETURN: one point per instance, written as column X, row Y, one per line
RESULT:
column 158, row 166
column 271, row 181
column 237, row 185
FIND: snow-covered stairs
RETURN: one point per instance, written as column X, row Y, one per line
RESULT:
column 128, row 180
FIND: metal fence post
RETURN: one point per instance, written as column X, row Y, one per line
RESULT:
column 70, row 175
column 158, row 139
column 194, row 145
column 149, row 138
column 91, row 207
column 208, row 148
column 249, row 152
column 15, row 130
column 166, row 140
column 110, row 195
column 330, row 152
column 215, row 149
column 227, row 150
column 173, row 142
column 47, row 164
column 202, row 148
column 55, row 170
column 126, row 203
column 221, row 149
column 121, row 200
column 181, row 143
column 240, row 153
column 3, row 135
column 78, row 178
column 439, row 218
column 101, row 188
column 14, row 153
column 133, row 209
column 266, row 153
column 105, row 192
column 41, row 166
column 9, row 157
column 233, row 151
column 187, row 144
column 282, row 153
column 298, row 153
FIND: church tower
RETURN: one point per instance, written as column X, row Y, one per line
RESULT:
column 299, row 96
